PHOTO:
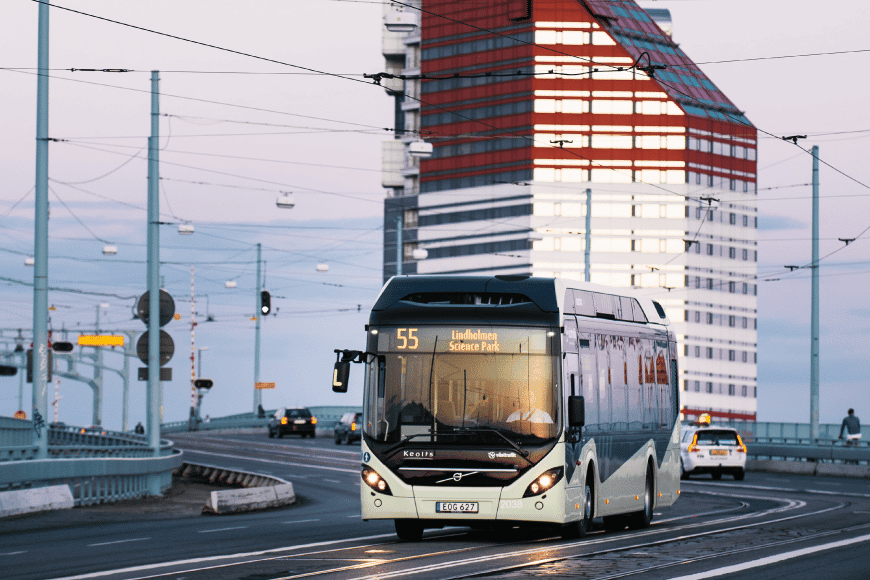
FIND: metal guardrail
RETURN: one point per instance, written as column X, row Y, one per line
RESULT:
column 327, row 417
column 98, row 465
column 813, row 453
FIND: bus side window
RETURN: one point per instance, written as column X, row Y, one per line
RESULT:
column 589, row 388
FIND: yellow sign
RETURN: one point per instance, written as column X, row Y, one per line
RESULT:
column 264, row 385
column 20, row 415
column 177, row 316
column 101, row 340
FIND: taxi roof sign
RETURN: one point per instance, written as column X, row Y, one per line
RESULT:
column 101, row 340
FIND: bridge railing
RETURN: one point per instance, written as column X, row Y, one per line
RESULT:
column 98, row 465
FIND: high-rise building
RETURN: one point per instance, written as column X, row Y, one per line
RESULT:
column 574, row 138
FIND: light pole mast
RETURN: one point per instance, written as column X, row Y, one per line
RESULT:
column 814, row 323
column 40, row 246
column 153, row 279
column 257, row 315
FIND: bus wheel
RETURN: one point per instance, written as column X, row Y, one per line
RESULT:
column 409, row 530
column 579, row 529
column 643, row 518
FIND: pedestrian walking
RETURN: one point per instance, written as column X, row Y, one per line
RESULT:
column 852, row 426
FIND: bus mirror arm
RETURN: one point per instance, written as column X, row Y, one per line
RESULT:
column 576, row 411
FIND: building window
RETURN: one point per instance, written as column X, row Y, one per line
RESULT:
column 745, row 254
column 745, row 356
column 409, row 219
column 745, row 288
column 709, row 249
column 697, row 386
column 709, row 318
column 697, row 352
column 731, row 321
column 732, row 252
column 709, row 283
column 732, row 287
column 744, row 390
column 745, row 221
column 732, row 218
column 731, row 390
column 709, row 387
column 745, row 322
column 732, row 355
column 697, row 316
column 685, row 385
column 709, row 354
column 697, row 247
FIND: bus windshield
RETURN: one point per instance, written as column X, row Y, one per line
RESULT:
column 431, row 383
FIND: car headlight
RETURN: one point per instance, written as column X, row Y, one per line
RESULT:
column 374, row 480
column 544, row 482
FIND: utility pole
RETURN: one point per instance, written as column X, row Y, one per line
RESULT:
column 814, row 324
column 40, row 246
column 154, row 385
column 399, row 245
column 257, row 315
column 588, row 251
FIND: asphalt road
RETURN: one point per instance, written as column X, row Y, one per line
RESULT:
column 769, row 526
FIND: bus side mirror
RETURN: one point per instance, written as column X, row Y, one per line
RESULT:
column 576, row 411
column 340, row 375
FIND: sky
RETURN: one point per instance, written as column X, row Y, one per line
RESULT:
column 238, row 130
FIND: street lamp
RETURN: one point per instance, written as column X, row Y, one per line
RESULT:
column 185, row 229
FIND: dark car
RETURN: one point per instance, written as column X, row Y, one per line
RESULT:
column 292, row 421
column 348, row 429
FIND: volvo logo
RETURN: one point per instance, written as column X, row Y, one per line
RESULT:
column 457, row 477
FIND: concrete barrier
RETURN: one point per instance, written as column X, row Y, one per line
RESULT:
column 248, row 499
column 808, row 468
column 39, row 499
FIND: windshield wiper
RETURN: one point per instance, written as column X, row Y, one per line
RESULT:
column 522, row 452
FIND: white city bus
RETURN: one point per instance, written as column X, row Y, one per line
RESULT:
column 512, row 400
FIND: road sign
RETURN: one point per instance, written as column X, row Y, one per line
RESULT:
column 167, row 307
column 167, row 347
column 165, row 373
column 101, row 340
column 264, row 385
column 30, row 364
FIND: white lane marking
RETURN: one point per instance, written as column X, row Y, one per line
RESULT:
column 332, row 481
column 773, row 559
column 794, row 490
column 159, row 565
column 309, row 466
column 222, row 530
column 300, row 521
column 14, row 553
column 355, row 516
column 119, row 542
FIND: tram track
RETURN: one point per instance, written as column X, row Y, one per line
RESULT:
column 356, row 562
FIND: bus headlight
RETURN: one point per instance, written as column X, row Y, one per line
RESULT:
column 373, row 479
column 544, row 482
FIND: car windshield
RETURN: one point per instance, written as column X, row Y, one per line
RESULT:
column 717, row 438
column 298, row 414
column 480, row 380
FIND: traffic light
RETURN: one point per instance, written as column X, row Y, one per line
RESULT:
column 62, row 346
column 265, row 302
column 203, row 383
column 8, row 371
